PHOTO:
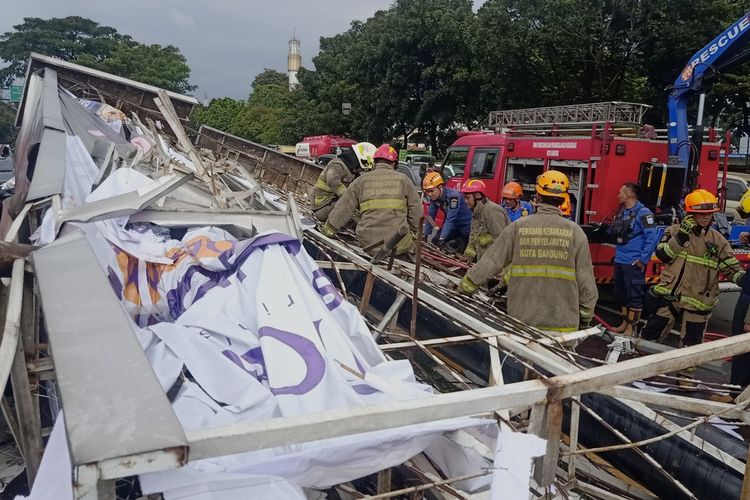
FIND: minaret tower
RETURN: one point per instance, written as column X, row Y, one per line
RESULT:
column 294, row 61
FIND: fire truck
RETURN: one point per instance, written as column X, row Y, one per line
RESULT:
column 600, row 146
column 316, row 145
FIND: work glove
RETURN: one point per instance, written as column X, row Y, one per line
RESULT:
column 328, row 230
column 467, row 286
column 584, row 323
column 686, row 227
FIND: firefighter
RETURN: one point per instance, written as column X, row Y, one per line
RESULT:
column 740, row 374
column 386, row 199
column 566, row 209
column 488, row 219
column 688, row 289
column 337, row 175
column 457, row 223
column 512, row 202
column 636, row 236
column 550, row 277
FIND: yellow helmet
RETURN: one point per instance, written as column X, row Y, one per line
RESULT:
column 364, row 152
column 552, row 183
column 744, row 207
column 432, row 180
column 566, row 208
column 701, row 201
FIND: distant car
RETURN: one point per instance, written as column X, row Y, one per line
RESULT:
column 6, row 163
column 737, row 185
column 411, row 171
column 420, row 158
column 323, row 160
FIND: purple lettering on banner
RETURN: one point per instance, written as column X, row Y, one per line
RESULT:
column 114, row 280
column 254, row 357
column 234, row 358
column 364, row 389
column 326, row 290
column 315, row 365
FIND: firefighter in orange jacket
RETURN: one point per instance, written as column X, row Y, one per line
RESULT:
column 688, row 288
column 549, row 273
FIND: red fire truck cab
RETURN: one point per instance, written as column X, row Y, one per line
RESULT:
column 597, row 164
column 316, row 145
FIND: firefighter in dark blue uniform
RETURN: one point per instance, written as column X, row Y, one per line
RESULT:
column 457, row 224
column 636, row 237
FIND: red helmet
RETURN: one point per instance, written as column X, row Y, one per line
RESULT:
column 474, row 186
column 386, row 152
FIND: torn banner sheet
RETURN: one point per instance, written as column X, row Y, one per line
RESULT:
column 265, row 334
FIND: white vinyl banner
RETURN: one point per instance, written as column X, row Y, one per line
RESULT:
column 263, row 333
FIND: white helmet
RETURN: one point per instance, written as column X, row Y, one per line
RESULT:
column 364, row 152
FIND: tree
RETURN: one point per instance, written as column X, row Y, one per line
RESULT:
column 538, row 53
column 219, row 114
column 8, row 130
column 163, row 67
column 85, row 42
column 404, row 69
column 68, row 38
column 270, row 77
column 262, row 118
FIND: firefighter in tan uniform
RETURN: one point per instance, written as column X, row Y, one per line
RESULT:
column 488, row 219
column 337, row 175
column 386, row 199
column 688, row 288
column 548, row 264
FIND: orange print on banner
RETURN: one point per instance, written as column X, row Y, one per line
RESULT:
column 204, row 248
column 129, row 268
column 154, row 272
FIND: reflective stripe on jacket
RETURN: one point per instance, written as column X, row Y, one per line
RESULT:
column 386, row 199
column 331, row 184
column 487, row 222
column 550, row 277
column 691, row 275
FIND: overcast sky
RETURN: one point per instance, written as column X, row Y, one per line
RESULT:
column 226, row 42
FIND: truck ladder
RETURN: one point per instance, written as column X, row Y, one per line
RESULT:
column 626, row 113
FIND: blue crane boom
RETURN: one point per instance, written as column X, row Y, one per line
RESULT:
column 722, row 53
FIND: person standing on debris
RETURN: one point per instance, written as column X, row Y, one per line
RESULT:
column 549, row 273
column 512, row 202
column 740, row 374
column 457, row 223
column 386, row 199
column 337, row 175
column 636, row 236
column 487, row 221
column 688, row 289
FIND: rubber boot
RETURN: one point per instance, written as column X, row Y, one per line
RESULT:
column 634, row 315
column 621, row 328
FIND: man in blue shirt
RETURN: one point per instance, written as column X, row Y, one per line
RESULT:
column 457, row 223
column 636, row 237
column 512, row 202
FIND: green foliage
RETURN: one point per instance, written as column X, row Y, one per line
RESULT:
column 85, row 42
column 163, row 67
column 219, row 114
column 69, row 38
column 270, row 77
column 8, row 131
